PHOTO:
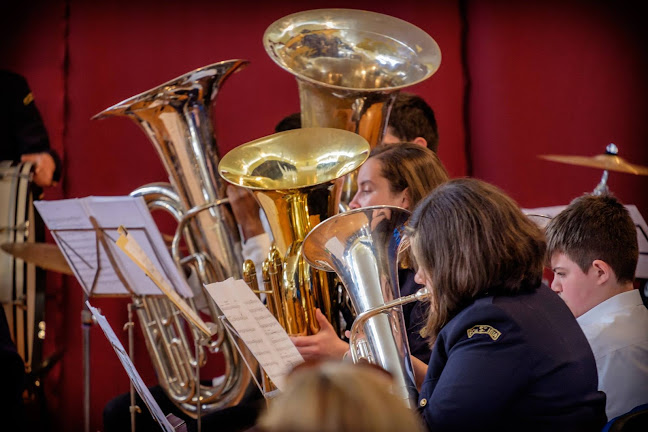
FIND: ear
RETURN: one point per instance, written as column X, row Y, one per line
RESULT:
column 603, row 271
column 406, row 201
column 420, row 141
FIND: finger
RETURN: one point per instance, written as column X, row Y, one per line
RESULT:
column 322, row 320
column 310, row 352
column 29, row 158
column 302, row 341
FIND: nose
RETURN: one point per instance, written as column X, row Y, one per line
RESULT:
column 555, row 285
column 354, row 202
column 419, row 278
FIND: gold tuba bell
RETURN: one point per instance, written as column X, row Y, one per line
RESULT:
column 350, row 65
column 296, row 177
column 176, row 117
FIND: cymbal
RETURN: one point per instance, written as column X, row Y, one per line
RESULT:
column 44, row 255
column 607, row 162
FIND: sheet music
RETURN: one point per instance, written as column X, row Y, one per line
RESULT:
column 640, row 223
column 263, row 335
column 69, row 222
column 129, row 367
column 133, row 250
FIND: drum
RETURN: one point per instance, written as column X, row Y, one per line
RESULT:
column 22, row 285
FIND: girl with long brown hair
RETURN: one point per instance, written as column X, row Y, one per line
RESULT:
column 399, row 175
column 507, row 353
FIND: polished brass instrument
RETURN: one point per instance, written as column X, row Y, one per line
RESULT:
column 362, row 246
column 177, row 118
column 350, row 65
column 296, row 177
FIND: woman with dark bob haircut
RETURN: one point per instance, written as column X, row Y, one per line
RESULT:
column 507, row 353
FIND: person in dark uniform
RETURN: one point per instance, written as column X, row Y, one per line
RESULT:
column 507, row 352
column 399, row 175
column 12, row 376
column 23, row 136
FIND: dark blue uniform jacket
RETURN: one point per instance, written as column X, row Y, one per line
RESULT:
column 513, row 363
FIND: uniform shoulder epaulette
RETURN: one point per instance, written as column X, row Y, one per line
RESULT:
column 484, row 329
column 28, row 99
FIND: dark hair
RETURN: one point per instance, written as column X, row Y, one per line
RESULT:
column 412, row 117
column 596, row 227
column 410, row 166
column 471, row 240
column 290, row 122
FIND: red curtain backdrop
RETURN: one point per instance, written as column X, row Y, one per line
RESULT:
column 517, row 79
column 556, row 77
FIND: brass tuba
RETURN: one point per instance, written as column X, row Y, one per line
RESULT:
column 350, row 65
column 361, row 246
column 176, row 117
column 296, row 177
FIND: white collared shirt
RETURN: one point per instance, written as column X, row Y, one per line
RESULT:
column 617, row 331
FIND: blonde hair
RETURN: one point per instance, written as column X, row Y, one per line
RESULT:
column 338, row 397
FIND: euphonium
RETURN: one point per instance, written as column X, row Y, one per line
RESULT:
column 296, row 177
column 361, row 246
column 350, row 65
column 176, row 116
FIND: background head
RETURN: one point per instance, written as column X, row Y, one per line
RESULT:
column 290, row 122
column 398, row 175
column 412, row 119
column 469, row 238
column 338, row 396
column 591, row 244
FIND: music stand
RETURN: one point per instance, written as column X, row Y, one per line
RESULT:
column 81, row 229
column 134, row 251
column 136, row 381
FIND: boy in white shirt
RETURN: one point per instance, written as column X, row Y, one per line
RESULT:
column 592, row 246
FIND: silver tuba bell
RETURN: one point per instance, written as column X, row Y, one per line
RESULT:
column 362, row 247
column 177, row 118
column 350, row 65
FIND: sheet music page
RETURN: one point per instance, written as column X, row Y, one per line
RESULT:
column 257, row 327
column 640, row 223
column 132, row 212
column 129, row 367
column 74, row 234
column 134, row 251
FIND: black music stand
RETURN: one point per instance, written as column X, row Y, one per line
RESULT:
column 89, row 249
column 168, row 423
column 87, row 318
